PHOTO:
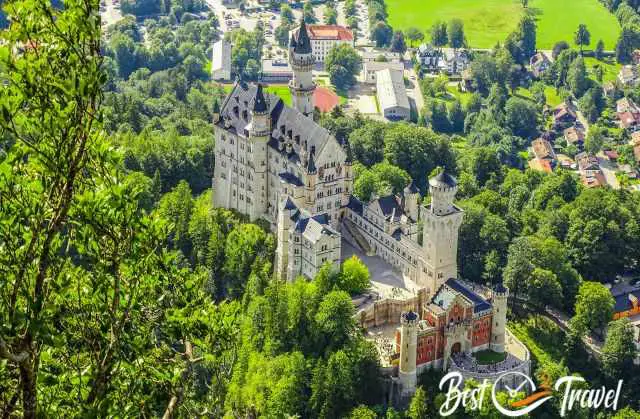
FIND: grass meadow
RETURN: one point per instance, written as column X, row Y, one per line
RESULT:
column 490, row 21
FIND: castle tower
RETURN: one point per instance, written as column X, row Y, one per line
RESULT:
column 408, row 348
column 302, row 61
column 442, row 220
column 312, row 179
column 348, row 177
column 411, row 195
column 286, row 209
column 259, row 133
column 499, row 298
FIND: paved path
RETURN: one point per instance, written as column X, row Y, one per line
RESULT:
column 110, row 14
column 385, row 280
column 414, row 92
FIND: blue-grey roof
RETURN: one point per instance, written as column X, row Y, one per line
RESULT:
column 500, row 287
column 410, row 315
column 289, row 204
column 259, row 102
column 387, row 206
column 479, row 303
column 443, row 179
column 355, row 205
column 303, row 42
column 411, row 188
column 291, row 178
column 287, row 124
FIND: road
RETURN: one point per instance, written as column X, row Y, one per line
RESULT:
column 609, row 170
column 109, row 14
column 414, row 91
column 593, row 345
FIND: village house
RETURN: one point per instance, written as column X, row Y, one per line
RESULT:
column 543, row 150
column 627, row 105
column 538, row 64
column 609, row 89
column 610, row 155
column 564, row 115
column 456, row 61
column 628, row 76
column 628, row 114
column 627, row 305
column 574, row 135
column 541, row 165
column 429, row 58
column 452, row 62
column 589, row 168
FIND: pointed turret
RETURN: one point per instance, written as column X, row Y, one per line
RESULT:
column 311, row 165
column 259, row 102
column 411, row 188
column 302, row 61
column 292, row 41
column 303, row 43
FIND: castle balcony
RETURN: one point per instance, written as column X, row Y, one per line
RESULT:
column 309, row 89
column 454, row 328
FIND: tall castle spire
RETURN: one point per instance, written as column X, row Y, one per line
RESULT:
column 302, row 60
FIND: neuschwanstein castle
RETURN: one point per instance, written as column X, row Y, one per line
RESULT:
column 276, row 163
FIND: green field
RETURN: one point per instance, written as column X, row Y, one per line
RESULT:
column 281, row 90
column 489, row 357
column 610, row 67
column 490, row 21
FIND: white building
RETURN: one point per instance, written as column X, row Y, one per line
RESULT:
column 448, row 60
column 221, row 61
column 371, row 68
column 325, row 37
column 268, row 154
column 392, row 94
column 274, row 162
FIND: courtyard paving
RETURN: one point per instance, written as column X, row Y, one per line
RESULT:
column 386, row 282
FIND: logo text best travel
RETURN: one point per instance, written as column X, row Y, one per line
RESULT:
column 571, row 397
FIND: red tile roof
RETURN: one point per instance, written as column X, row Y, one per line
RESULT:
column 628, row 119
column 336, row 32
column 541, row 165
column 611, row 154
